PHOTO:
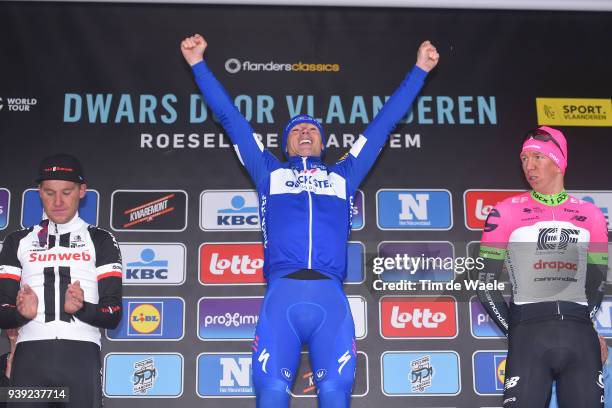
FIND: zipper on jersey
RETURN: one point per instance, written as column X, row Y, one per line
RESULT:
column 309, row 219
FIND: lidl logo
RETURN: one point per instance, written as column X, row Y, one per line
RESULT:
column 489, row 372
column 150, row 319
column 146, row 318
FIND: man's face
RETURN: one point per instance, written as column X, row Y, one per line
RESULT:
column 60, row 199
column 540, row 171
column 304, row 140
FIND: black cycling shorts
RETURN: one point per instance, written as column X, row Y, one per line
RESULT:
column 59, row 363
column 552, row 341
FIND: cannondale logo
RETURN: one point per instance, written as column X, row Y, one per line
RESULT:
column 232, row 65
column 556, row 238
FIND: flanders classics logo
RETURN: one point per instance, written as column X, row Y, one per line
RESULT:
column 574, row 112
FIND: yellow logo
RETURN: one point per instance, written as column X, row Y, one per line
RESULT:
column 145, row 318
column 501, row 371
column 574, row 111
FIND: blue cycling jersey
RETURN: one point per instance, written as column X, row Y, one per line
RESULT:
column 305, row 206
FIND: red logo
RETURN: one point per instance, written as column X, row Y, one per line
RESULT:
column 404, row 317
column 478, row 204
column 231, row 263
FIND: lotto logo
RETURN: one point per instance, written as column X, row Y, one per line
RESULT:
column 418, row 317
column 231, row 263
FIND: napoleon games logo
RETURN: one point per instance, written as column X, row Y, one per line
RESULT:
column 149, row 210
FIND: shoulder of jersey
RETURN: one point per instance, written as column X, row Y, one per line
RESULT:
column 100, row 232
column 514, row 200
column 19, row 234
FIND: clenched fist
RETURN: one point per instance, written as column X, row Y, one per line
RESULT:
column 193, row 49
column 427, row 56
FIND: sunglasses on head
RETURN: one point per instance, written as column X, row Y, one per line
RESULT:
column 543, row 136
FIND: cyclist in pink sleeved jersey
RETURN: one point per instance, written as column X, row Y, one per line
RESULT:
column 555, row 248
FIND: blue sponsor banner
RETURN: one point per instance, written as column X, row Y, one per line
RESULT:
column 489, row 372
column 228, row 318
column 355, row 265
column 481, row 323
column 414, row 209
column 32, row 210
column 5, row 204
column 150, row 319
column 154, row 375
column 358, row 220
column 224, row 375
column 420, row 373
column 603, row 318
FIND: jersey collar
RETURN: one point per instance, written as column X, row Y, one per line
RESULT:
column 550, row 199
column 74, row 224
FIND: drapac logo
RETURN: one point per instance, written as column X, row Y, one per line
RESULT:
column 414, row 209
column 5, row 202
column 32, row 209
column 231, row 263
column 602, row 199
column 234, row 210
column 224, row 375
column 574, row 111
column 358, row 211
column 478, row 203
column 418, row 317
column 603, row 318
column 420, row 373
column 153, row 263
column 153, row 375
column 355, row 263
column 489, row 372
column 150, row 319
column 149, row 210
column 234, row 65
column 227, row 318
column 434, row 260
column 306, row 379
column 481, row 323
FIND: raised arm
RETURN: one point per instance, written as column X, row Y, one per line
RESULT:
column 249, row 149
column 366, row 148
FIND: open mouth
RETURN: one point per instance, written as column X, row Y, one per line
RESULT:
column 305, row 141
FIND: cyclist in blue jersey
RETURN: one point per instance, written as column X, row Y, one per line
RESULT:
column 305, row 208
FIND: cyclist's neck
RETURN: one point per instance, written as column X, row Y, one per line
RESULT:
column 550, row 199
